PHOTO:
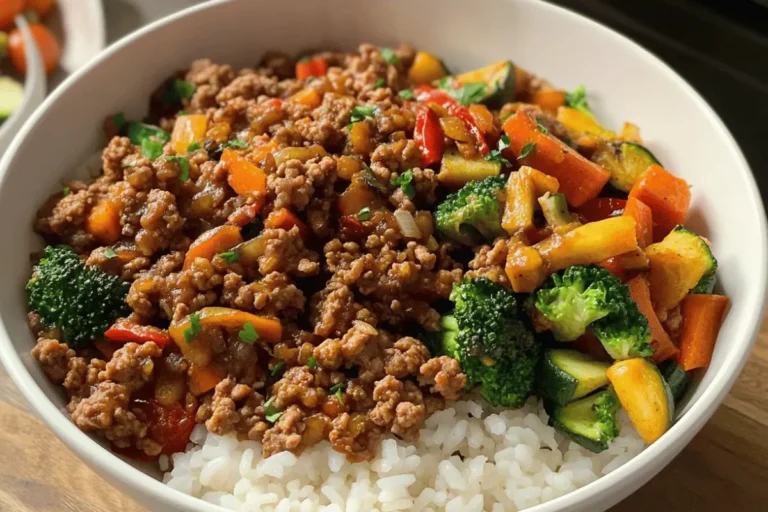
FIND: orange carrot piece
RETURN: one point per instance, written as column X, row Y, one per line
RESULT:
column 702, row 317
column 580, row 180
column 203, row 378
column 549, row 100
column 268, row 329
column 186, row 130
column 666, row 195
column 663, row 348
column 286, row 219
column 244, row 177
column 643, row 216
column 309, row 97
column 212, row 242
column 260, row 152
column 614, row 266
column 103, row 222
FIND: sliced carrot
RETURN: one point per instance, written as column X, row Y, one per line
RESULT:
column 285, row 219
column 244, row 177
column 643, row 216
column 663, row 348
column 268, row 329
column 580, row 180
column 212, row 242
column 188, row 129
column 549, row 100
column 702, row 317
column 103, row 222
column 309, row 97
column 666, row 195
column 203, row 378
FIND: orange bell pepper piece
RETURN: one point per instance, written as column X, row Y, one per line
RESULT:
column 309, row 97
column 306, row 68
column 103, row 222
column 212, row 242
column 203, row 378
column 663, row 348
column 643, row 216
column 286, row 219
column 549, row 100
column 268, row 329
column 245, row 178
column 188, row 129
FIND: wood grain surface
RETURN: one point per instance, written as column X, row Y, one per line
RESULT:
column 724, row 468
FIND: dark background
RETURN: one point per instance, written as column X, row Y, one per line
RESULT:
column 719, row 46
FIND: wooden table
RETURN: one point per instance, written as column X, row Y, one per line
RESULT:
column 724, row 468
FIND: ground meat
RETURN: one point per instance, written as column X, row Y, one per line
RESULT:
column 298, row 386
column 443, row 375
column 393, row 411
column 332, row 353
column 208, row 78
column 119, row 266
column 132, row 365
column 273, row 295
column 489, row 262
column 160, row 223
column 284, row 251
column 82, row 377
column 355, row 436
column 106, row 410
column 295, row 182
column 54, row 358
column 405, row 358
column 234, row 408
column 397, row 157
column 286, row 434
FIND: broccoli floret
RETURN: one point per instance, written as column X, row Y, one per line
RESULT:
column 582, row 296
column 473, row 214
column 495, row 349
column 81, row 300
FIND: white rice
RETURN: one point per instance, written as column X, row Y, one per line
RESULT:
column 466, row 460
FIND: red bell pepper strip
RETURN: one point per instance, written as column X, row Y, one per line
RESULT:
column 601, row 208
column 426, row 94
column 125, row 331
column 311, row 67
column 429, row 136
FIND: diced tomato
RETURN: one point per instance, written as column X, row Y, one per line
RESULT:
column 601, row 208
column 169, row 425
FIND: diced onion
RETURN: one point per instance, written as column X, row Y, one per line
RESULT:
column 407, row 224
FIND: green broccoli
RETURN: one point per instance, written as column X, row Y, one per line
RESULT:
column 81, row 300
column 582, row 296
column 590, row 422
column 473, row 214
column 495, row 349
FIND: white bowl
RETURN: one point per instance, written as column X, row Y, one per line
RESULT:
column 625, row 82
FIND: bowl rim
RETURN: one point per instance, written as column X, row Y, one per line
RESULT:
column 119, row 472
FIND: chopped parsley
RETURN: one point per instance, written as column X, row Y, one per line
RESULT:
column 271, row 413
column 248, row 334
column 151, row 149
column 277, row 368
column 407, row 94
column 193, row 147
column 177, row 90
column 234, row 143
column 541, row 127
column 378, row 84
column 405, row 182
column 527, row 150
column 183, row 162
column 338, row 390
column 66, row 191
column 360, row 112
column 466, row 94
column 229, row 256
column 371, row 180
column 312, row 362
column 119, row 121
column 194, row 327
column 109, row 253
column 364, row 213
column 578, row 100
column 389, row 55
column 495, row 155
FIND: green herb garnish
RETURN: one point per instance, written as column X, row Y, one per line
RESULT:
column 389, row 55
column 407, row 94
column 248, row 334
column 277, row 368
column 234, row 143
column 379, row 83
column 338, row 389
column 194, row 327
column 312, row 362
column 467, row 94
column 109, row 253
column 371, row 180
column 229, row 256
column 541, row 127
column 360, row 112
column 271, row 413
column 66, row 191
column 177, row 90
column 578, row 100
column 495, row 154
column 364, row 213
column 151, row 149
column 405, row 182
column 193, row 147
column 184, row 163
column 527, row 150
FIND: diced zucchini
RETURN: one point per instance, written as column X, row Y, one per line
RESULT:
column 456, row 171
column 677, row 378
column 567, row 375
column 590, row 422
column 626, row 161
column 555, row 209
column 426, row 68
column 499, row 79
column 645, row 396
column 11, row 95
column 679, row 263
column 584, row 128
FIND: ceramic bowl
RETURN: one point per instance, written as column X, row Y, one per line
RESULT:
column 625, row 83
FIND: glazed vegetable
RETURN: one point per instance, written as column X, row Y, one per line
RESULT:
column 426, row 68
column 47, row 46
column 583, row 127
column 590, row 243
column 590, row 422
column 663, row 348
column 213, row 242
column 306, row 68
column 591, row 296
column 426, row 94
column 309, row 97
column 549, row 99
column 188, row 130
column 429, row 136
column 566, row 375
column 82, row 301
column 678, row 265
column 203, row 378
column 472, row 214
column 486, row 335
column 601, row 208
column 580, row 180
column 702, row 317
column 103, row 222
column 668, row 197
column 555, row 209
column 125, row 331
column 169, row 425
column 626, row 161
column 676, row 378
column 639, row 211
column 284, row 218
column 497, row 81
column 578, row 100
column 456, row 171
column 645, row 396
column 522, row 189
